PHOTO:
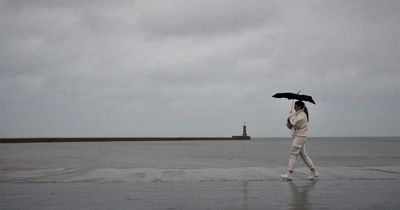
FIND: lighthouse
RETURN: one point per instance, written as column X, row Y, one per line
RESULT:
column 244, row 135
column 244, row 129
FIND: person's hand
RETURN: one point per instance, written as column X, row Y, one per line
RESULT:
column 288, row 125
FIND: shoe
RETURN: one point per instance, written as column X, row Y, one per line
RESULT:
column 287, row 176
column 313, row 176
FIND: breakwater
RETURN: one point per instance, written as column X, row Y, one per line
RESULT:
column 110, row 139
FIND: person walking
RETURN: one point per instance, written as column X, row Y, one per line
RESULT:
column 298, row 123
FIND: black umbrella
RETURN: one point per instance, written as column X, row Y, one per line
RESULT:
column 297, row 96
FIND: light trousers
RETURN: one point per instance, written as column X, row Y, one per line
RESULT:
column 298, row 150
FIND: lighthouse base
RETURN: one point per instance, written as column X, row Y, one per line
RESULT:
column 241, row 137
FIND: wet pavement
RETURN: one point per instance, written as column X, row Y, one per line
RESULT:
column 238, row 188
column 340, row 194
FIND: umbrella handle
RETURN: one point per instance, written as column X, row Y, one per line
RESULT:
column 292, row 107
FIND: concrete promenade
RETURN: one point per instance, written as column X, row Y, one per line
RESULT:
column 237, row 188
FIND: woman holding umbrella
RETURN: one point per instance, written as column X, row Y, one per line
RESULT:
column 298, row 123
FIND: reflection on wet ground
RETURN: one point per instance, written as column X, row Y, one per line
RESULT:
column 299, row 195
column 296, row 195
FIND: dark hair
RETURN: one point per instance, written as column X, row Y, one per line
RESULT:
column 303, row 107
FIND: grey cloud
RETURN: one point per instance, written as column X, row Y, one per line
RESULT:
column 188, row 18
column 196, row 68
column 21, row 5
column 329, row 38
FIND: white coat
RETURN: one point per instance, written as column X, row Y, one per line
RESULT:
column 297, row 122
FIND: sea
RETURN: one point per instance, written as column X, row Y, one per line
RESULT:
column 257, row 152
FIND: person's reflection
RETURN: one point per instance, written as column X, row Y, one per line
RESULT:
column 245, row 196
column 300, row 195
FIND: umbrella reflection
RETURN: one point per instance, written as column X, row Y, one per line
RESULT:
column 299, row 195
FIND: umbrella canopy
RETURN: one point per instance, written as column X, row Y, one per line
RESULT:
column 291, row 96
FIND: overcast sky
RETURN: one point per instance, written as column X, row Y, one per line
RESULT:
column 197, row 67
